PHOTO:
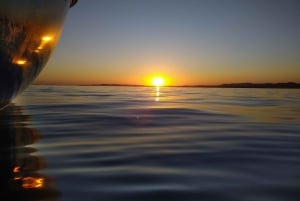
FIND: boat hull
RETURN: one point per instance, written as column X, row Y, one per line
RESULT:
column 29, row 32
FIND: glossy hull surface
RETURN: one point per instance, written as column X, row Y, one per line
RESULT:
column 29, row 31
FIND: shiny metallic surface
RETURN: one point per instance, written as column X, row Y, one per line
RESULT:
column 29, row 31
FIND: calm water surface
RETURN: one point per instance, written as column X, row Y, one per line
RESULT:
column 137, row 144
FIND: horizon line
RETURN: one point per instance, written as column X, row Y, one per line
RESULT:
column 225, row 85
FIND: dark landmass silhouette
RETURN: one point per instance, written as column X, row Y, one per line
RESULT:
column 263, row 85
column 118, row 85
column 284, row 85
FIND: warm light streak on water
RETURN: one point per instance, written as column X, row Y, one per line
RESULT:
column 31, row 182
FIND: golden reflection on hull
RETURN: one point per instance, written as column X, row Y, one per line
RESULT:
column 29, row 31
column 19, row 176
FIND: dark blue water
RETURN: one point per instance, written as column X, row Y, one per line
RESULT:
column 135, row 144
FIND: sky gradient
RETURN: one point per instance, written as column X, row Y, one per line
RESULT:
column 187, row 41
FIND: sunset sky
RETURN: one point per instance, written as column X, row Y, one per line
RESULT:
column 186, row 41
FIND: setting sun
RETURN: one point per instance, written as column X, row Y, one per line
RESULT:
column 158, row 81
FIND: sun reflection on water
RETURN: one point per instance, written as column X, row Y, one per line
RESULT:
column 157, row 94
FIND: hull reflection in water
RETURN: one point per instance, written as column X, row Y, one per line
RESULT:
column 29, row 31
column 19, row 176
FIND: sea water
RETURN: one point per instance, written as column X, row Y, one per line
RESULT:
column 103, row 143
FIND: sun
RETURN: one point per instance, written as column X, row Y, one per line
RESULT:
column 158, row 81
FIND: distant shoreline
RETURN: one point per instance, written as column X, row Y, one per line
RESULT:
column 286, row 85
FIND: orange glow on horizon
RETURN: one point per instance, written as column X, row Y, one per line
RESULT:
column 157, row 80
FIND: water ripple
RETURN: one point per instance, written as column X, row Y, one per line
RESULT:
column 119, row 143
